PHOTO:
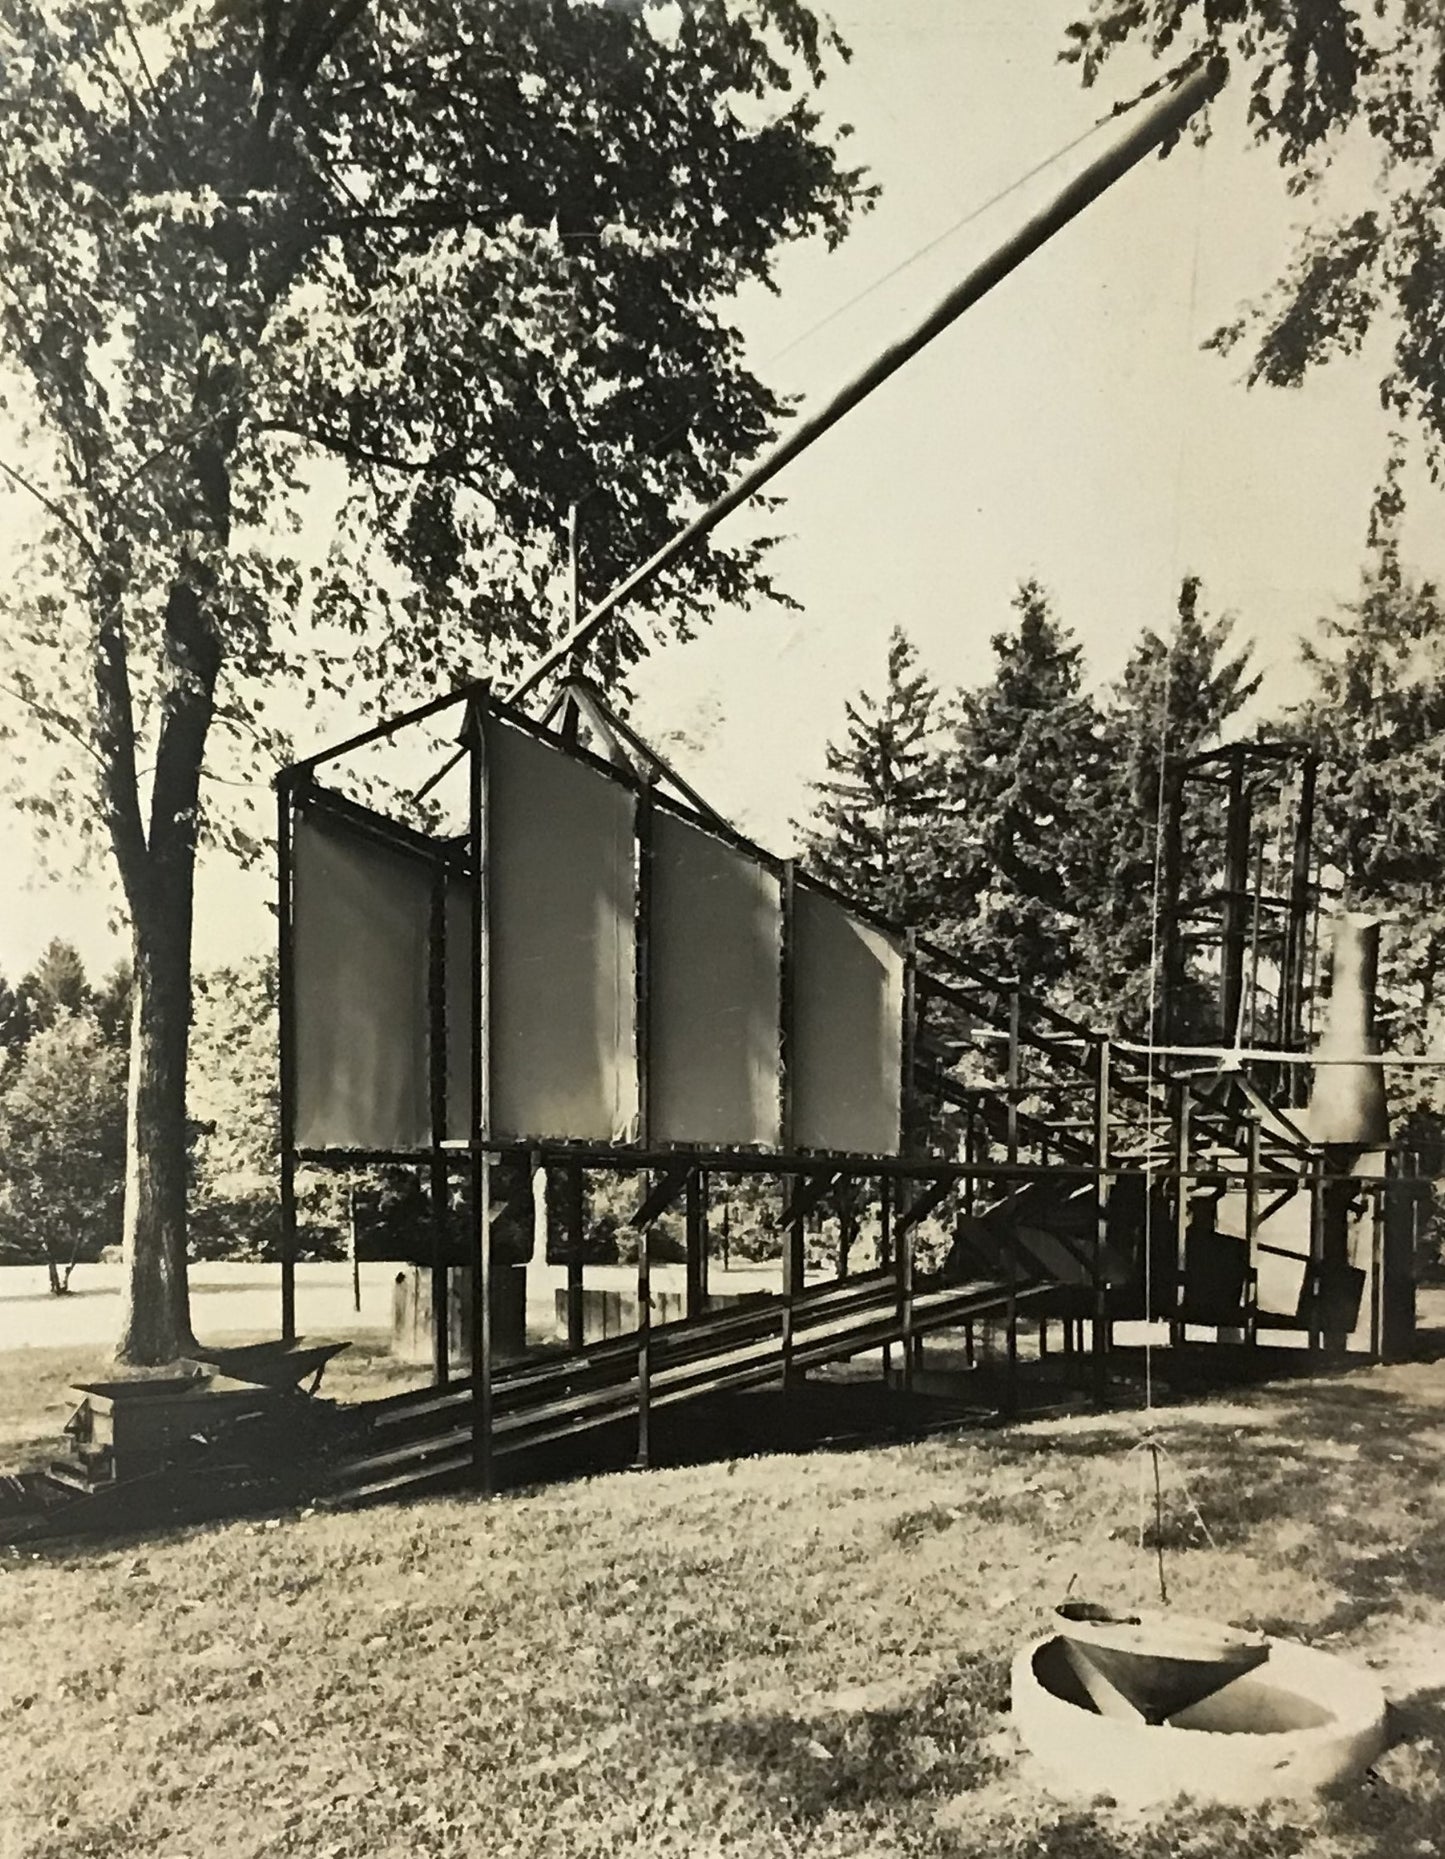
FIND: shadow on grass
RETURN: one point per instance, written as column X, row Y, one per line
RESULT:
column 825, row 1760
column 1399, row 1807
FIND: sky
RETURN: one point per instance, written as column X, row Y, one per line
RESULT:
column 1068, row 428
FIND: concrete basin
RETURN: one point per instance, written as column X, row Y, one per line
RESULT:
column 1290, row 1728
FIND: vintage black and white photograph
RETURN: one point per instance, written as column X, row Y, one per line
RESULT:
column 722, row 802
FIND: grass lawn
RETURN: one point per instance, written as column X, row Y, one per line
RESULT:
column 772, row 1656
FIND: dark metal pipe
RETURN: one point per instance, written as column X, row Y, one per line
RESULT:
column 1164, row 120
column 480, row 1324
column 286, row 1035
column 378, row 731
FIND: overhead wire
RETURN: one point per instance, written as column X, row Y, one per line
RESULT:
column 940, row 238
column 975, row 212
column 1163, row 735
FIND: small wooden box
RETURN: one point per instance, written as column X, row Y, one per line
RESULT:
column 124, row 1428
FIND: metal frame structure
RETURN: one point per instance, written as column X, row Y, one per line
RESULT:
column 1258, row 788
column 1169, row 1134
column 1125, row 1125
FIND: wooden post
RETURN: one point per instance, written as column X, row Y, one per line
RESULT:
column 286, row 1031
column 1015, row 1075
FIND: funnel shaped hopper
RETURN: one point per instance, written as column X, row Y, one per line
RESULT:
column 1153, row 1665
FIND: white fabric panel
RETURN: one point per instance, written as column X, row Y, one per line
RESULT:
column 361, row 916
column 714, row 949
column 845, row 1065
column 562, row 885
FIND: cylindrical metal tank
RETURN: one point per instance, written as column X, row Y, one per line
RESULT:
column 1347, row 1103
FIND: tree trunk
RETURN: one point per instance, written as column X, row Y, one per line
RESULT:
column 156, row 1323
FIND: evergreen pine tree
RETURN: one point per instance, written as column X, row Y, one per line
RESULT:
column 55, row 985
column 1017, row 853
column 1373, row 707
column 871, row 831
column 1174, row 698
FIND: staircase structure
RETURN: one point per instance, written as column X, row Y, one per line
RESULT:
column 1159, row 1196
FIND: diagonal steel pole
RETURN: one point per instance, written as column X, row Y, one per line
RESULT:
column 1157, row 125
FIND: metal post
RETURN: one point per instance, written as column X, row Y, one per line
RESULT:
column 480, row 1325
column 908, row 1141
column 644, row 828
column 788, row 899
column 352, row 1248
column 574, row 1191
column 1250, row 1008
column 1184, row 1118
column 696, row 1242
column 644, row 1344
column 903, row 1279
column 286, row 1031
column 1010, row 1404
column 885, row 1248
column 438, row 1181
column 574, row 567
column 1234, row 920
column 1377, row 1255
column 1101, row 1228
column 794, row 1275
column 1251, row 1234
column 1297, row 934
column 1314, row 1282
column 1171, row 884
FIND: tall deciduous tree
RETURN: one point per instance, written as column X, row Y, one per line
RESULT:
column 871, row 831
column 62, row 1121
column 475, row 257
column 234, row 1114
column 1325, row 77
column 1017, row 850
